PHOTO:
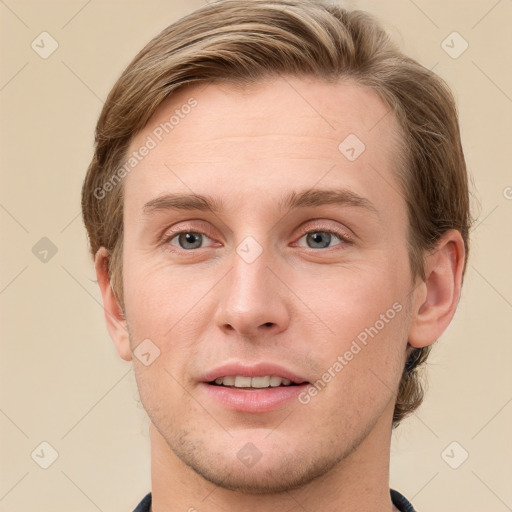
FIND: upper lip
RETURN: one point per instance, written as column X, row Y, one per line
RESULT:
column 252, row 370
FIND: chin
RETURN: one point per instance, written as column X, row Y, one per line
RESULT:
column 275, row 471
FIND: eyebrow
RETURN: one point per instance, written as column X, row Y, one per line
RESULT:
column 293, row 200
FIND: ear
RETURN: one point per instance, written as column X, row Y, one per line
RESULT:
column 436, row 298
column 114, row 316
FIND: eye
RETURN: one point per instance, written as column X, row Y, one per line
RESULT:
column 322, row 239
column 187, row 240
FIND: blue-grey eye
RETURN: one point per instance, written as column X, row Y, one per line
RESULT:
column 189, row 240
column 320, row 239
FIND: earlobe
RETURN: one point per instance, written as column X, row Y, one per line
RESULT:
column 437, row 298
column 114, row 317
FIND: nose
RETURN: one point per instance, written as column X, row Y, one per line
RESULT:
column 253, row 298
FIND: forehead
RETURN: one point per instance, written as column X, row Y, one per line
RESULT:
column 271, row 135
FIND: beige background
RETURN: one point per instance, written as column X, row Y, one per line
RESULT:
column 61, row 379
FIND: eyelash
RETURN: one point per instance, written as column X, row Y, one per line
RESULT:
column 169, row 236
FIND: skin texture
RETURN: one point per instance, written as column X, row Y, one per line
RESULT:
column 300, row 304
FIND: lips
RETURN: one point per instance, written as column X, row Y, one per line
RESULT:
column 244, row 375
column 259, row 382
column 252, row 388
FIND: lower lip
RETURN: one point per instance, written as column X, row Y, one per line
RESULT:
column 253, row 400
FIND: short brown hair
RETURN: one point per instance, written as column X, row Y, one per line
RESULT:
column 241, row 42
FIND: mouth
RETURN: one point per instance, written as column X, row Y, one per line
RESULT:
column 254, row 383
column 252, row 388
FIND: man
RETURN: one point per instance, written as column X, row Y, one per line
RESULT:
column 278, row 211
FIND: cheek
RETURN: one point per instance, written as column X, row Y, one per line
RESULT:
column 361, row 372
column 362, row 352
column 170, row 307
column 356, row 298
column 157, row 296
column 158, row 389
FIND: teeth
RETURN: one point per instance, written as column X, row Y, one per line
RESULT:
column 275, row 381
column 260, row 382
column 243, row 382
column 252, row 382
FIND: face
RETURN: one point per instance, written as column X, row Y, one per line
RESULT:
column 280, row 278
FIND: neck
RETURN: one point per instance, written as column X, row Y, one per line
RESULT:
column 359, row 482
